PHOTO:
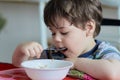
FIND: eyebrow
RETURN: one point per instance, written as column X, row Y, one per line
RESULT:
column 60, row 27
column 57, row 28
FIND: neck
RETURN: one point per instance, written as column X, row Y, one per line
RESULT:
column 91, row 44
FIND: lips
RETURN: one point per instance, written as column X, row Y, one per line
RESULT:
column 62, row 49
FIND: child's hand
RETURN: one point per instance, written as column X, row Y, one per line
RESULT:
column 31, row 49
column 26, row 51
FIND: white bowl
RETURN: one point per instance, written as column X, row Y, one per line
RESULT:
column 46, row 69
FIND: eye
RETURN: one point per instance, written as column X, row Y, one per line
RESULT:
column 53, row 34
column 64, row 33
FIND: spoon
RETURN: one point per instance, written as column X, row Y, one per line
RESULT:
column 49, row 51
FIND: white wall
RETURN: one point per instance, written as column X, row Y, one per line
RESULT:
column 22, row 25
column 110, row 33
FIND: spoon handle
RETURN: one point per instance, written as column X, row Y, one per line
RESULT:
column 50, row 51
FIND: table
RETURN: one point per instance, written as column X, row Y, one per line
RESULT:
column 10, row 72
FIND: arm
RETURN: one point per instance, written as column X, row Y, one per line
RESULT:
column 100, row 69
column 26, row 51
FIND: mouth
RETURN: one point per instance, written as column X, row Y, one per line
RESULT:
column 62, row 49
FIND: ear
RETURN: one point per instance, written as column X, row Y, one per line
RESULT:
column 90, row 28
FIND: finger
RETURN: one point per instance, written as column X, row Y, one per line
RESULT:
column 25, row 52
column 40, row 50
column 37, row 52
column 32, row 52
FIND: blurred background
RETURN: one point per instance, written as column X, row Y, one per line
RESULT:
column 24, row 22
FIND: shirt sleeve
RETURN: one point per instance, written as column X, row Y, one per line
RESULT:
column 107, row 51
column 111, row 56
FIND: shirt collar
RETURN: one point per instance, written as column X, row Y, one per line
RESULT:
column 92, row 50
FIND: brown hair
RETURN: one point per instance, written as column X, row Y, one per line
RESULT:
column 78, row 12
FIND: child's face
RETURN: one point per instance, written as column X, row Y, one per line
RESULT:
column 71, row 37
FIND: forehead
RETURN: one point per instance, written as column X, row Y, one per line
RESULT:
column 60, row 23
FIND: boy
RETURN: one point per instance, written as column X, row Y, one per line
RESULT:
column 74, row 25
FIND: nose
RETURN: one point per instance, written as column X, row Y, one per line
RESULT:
column 57, row 38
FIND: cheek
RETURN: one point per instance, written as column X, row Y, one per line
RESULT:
column 78, row 39
column 72, row 43
column 76, row 43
